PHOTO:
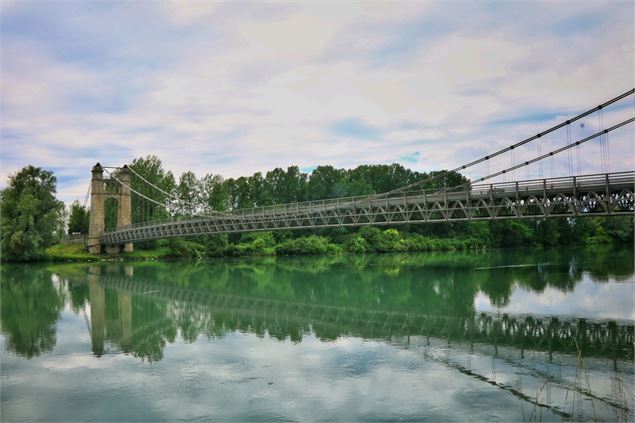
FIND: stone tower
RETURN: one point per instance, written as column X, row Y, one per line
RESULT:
column 102, row 189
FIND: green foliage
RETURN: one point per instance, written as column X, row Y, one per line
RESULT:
column 254, row 244
column 371, row 235
column 356, row 244
column 307, row 245
column 214, row 192
column 111, row 213
column 189, row 192
column 511, row 233
column 179, row 247
column 480, row 233
column 419, row 243
column 619, row 228
column 30, row 307
column 151, row 169
column 546, row 232
column 31, row 214
column 382, row 241
column 79, row 219
column 390, row 241
column 215, row 245
column 326, row 182
column 600, row 236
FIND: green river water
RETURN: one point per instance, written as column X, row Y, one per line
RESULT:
column 516, row 335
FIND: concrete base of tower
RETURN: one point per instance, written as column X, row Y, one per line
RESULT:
column 118, row 248
column 94, row 247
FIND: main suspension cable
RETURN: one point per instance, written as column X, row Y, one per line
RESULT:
column 129, row 187
column 174, row 197
column 352, row 200
column 169, row 194
column 156, row 202
column 550, row 154
column 513, row 146
column 87, row 193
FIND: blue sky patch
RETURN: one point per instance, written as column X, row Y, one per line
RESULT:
column 354, row 128
column 410, row 158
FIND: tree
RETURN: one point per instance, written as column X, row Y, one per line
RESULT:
column 190, row 195
column 326, row 182
column 448, row 180
column 30, row 214
column 215, row 192
column 258, row 194
column 238, row 190
column 380, row 178
column 79, row 219
column 295, row 185
column 151, row 169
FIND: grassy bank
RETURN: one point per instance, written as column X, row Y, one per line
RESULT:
column 78, row 252
column 64, row 252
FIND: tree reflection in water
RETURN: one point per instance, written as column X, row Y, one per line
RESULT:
column 421, row 302
column 31, row 304
column 368, row 296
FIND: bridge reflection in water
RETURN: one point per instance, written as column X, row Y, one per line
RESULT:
column 213, row 314
column 575, row 368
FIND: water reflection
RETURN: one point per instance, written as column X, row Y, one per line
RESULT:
column 423, row 303
column 31, row 304
column 141, row 307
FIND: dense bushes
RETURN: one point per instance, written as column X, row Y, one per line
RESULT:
column 365, row 240
column 307, row 245
column 253, row 244
column 438, row 237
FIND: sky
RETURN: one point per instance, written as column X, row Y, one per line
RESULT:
column 236, row 88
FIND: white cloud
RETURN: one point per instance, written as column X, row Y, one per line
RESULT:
column 245, row 88
column 588, row 299
column 182, row 13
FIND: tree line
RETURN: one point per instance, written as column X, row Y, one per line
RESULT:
column 33, row 219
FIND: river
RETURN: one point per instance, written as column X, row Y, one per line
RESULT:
column 515, row 335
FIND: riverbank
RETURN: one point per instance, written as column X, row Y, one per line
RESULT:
column 264, row 245
column 366, row 240
column 78, row 252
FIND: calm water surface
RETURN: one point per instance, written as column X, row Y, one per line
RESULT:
column 519, row 335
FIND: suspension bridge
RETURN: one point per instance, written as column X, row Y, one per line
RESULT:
column 574, row 194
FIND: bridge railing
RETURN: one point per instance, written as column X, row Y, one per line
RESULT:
column 566, row 182
column 432, row 194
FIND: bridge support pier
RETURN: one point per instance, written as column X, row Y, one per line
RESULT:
column 96, row 224
column 124, row 215
column 98, row 196
column 97, row 298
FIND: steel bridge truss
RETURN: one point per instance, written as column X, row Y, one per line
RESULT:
column 573, row 196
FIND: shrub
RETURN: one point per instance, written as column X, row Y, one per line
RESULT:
column 356, row 244
column 389, row 241
column 179, row 247
column 307, row 245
